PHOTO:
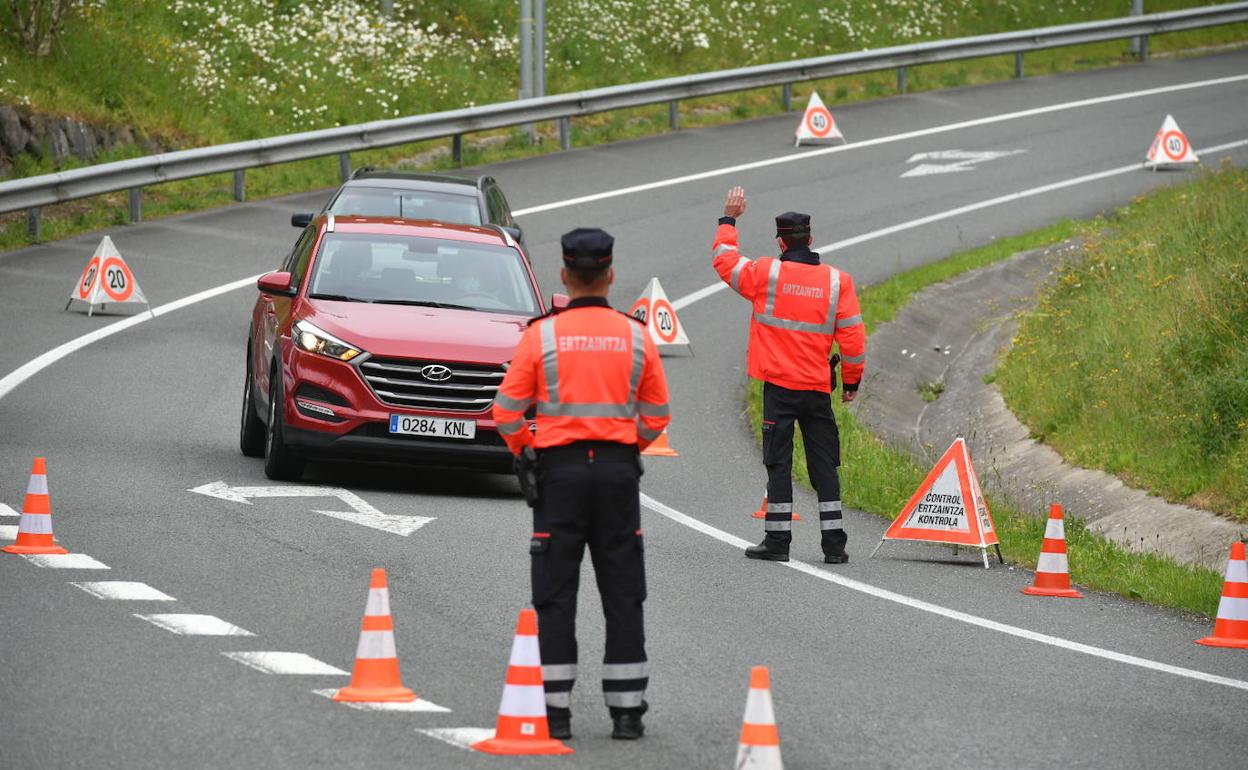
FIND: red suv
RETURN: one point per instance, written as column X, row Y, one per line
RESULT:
column 385, row 339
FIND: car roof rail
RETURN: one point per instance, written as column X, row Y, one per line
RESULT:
column 362, row 170
column 501, row 231
column 482, row 180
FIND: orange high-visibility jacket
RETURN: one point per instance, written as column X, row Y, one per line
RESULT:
column 594, row 375
column 800, row 310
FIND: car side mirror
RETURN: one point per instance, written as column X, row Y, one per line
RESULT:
column 516, row 233
column 559, row 301
column 300, row 220
column 276, row 283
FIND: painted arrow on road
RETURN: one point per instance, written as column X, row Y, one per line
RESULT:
column 361, row 512
column 963, row 160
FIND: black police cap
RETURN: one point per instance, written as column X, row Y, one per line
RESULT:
column 792, row 223
column 587, row 248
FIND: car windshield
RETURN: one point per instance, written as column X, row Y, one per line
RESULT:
column 407, row 270
column 409, row 204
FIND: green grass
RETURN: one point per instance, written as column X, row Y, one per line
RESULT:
column 191, row 77
column 1136, row 359
column 879, row 478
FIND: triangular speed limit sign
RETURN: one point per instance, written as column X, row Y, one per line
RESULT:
column 1170, row 147
column 948, row 507
column 817, row 126
column 654, row 310
column 107, row 285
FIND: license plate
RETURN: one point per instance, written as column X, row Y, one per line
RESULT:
column 439, row 427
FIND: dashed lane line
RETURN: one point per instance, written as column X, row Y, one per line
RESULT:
column 418, row 705
column 941, row 129
column 124, row 590
column 7, row 511
column 1031, row 192
column 946, row 612
column 8, row 531
column 64, row 561
column 459, row 737
column 285, row 663
column 194, row 625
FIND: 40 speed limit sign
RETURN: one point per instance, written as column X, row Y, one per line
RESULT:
column 818, row 126
column 107, row 285
column 654, row 310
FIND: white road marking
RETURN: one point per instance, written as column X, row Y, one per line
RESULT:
column 804, row 156
column 362, row 512
column 420, row 704
column 38, row 364
column 124, row 590
column 296, row 663
column 936, row 609
column 194, row 625
column 8, row 531
column 64, row 561
column 459, row 737
column 963, row 160
column 7, row 511
column 719, row 286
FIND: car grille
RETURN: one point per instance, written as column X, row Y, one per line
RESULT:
column 398, row 382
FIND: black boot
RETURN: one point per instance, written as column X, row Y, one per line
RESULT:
column 835, row 558
column 768, row 550
column 627, row 724
column 560, row 722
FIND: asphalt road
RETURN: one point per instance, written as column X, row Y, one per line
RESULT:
column 864, row 673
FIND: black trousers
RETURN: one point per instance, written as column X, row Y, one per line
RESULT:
column 812, row 410
column 590, row 497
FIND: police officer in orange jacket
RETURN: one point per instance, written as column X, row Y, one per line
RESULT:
column 595, row 378
column 801, row 309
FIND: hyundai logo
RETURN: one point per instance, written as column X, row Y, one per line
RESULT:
column 435, row 373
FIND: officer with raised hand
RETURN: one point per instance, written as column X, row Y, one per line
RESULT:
column 601, row 397
column 801, row 308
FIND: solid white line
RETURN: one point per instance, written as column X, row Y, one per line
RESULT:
column 420, row 704
column 124, row 590
column 38, row 364
column 459, row 737
column 802, row 156
column 719, row 286
column 285, row 663
column 936, row 609
column 194, row 625
column 8, row 531
column 64, row 561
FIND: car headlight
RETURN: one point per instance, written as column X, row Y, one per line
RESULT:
column 314, row 340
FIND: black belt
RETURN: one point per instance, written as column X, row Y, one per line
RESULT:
column 581, row 452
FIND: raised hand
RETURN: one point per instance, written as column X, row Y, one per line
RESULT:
column 735, row 205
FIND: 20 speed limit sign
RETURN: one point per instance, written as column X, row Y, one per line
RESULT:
column 89, row 275
column 118, row 283
column 665, row 321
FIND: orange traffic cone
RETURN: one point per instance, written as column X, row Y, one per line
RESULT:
column 761, row 513
column 660, row 447
column 34, row 529
column 522, row 726
column 1052, row 572
column 760, row 740
column 376, row 674
column 1230, row 629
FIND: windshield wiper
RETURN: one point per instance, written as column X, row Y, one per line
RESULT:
column 336, row 297
column 422, row 303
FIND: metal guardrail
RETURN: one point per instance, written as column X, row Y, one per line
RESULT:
column 33, row 192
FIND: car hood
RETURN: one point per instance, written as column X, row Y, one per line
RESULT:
column 401, row 331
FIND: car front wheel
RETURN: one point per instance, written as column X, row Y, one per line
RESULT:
column 280, row 464
column 251, row 438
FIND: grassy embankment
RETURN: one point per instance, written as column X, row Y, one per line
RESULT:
column 196, row 72
column 1136, row 360
column 1159, row 387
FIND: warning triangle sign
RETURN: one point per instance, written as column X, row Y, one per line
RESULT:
column 817, row 126
column 948, row 507
column 107, row 285
column 1170, row 147
column 654, row 310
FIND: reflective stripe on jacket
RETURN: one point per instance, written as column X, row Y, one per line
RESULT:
column 593, row 375
column 800, row 311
